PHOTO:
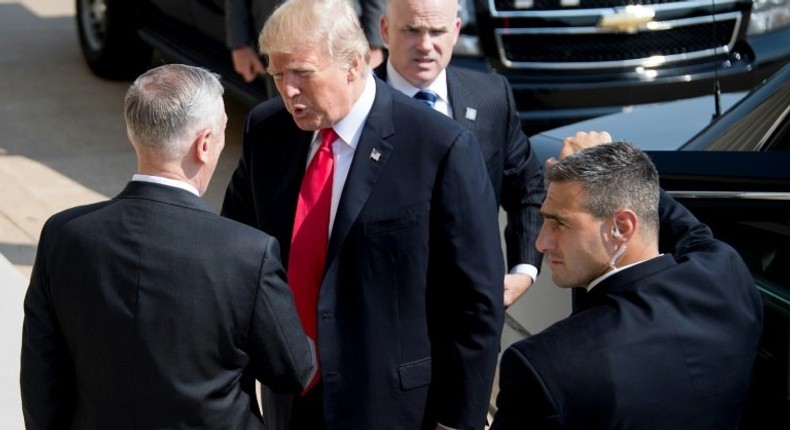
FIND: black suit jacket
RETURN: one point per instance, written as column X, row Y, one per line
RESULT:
column 483, row 103
column 150, row 311
column 410, row 310
column 666, row 344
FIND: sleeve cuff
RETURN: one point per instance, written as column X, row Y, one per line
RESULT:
column 525, row 269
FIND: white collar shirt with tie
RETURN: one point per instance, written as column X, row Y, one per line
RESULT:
column 438, row 86
column 348, row 131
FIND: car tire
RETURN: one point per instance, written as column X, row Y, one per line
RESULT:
column 109, row 39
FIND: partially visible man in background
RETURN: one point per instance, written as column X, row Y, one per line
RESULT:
column 148, row 310
column 419, row 36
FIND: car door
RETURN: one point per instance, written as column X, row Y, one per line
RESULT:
column 744, row 197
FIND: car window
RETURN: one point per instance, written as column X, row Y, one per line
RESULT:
column 756, row 129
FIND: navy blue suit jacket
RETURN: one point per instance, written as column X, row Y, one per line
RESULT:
column 483, row 104
column 666, row 344
column 410, row 310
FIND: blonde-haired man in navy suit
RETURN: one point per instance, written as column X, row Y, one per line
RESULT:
column 409, row 314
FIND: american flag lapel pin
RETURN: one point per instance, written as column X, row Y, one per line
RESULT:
column 471, row 114
column 375, row 155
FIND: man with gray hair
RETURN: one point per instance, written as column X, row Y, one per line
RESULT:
column 661, row 341
column 149, row 310
column 389, row 230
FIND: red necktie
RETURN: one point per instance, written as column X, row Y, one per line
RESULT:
column 311, row 236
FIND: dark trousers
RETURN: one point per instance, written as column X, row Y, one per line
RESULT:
column 292, row 411
column 308, row 411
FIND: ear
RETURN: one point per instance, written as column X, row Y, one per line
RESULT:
column 456, row 30
column 625, row 224
column 385, row 31
column 202, row 146
column 355, row 70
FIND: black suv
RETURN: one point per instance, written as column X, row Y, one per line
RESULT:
column 566, row 60
column 569, row 60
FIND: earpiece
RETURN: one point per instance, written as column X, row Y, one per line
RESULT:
column 616, row 232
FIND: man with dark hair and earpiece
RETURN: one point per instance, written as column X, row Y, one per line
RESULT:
column 661, row 341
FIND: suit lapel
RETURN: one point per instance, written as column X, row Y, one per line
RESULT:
column 462, row 101
column 370, row 157
column 295, row 154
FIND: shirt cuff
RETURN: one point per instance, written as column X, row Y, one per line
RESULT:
column 525, row 269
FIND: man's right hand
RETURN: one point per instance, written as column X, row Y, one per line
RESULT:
column 579, row 141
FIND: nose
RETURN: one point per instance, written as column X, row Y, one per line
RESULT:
column 287, row 86
column 425, row 43
column 545, row 241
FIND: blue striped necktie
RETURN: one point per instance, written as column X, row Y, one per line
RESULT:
column 428, row 96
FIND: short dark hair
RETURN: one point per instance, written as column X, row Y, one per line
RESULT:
column 614, row 176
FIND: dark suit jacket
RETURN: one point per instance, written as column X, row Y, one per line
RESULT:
column 146, row 311
column 666, row 344
column 515, row 171
column 410, row 310
column 244, row 20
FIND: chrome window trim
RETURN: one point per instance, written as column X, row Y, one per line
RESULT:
column 599, row 12
column 739, row 195
column 636, row 62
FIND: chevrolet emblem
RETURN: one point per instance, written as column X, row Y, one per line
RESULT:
column 627, row 19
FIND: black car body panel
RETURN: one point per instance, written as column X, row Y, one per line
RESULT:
column 755, row 121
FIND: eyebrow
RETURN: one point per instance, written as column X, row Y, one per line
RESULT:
column 556, row 217
column 425, row 27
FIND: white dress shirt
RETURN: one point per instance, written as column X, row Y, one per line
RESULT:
column 438, row 86
column 166, row 181
column 599, row 279
column 348, row 130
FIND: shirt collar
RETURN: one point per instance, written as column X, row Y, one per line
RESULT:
column 350, row 127
column 166, row 181
column 600, row 279
column 438, row 86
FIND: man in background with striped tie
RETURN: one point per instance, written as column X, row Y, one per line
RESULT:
column 419, row 36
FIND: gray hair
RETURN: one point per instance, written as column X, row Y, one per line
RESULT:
column 332, row 25
column 167, row 105
column 614, row 176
